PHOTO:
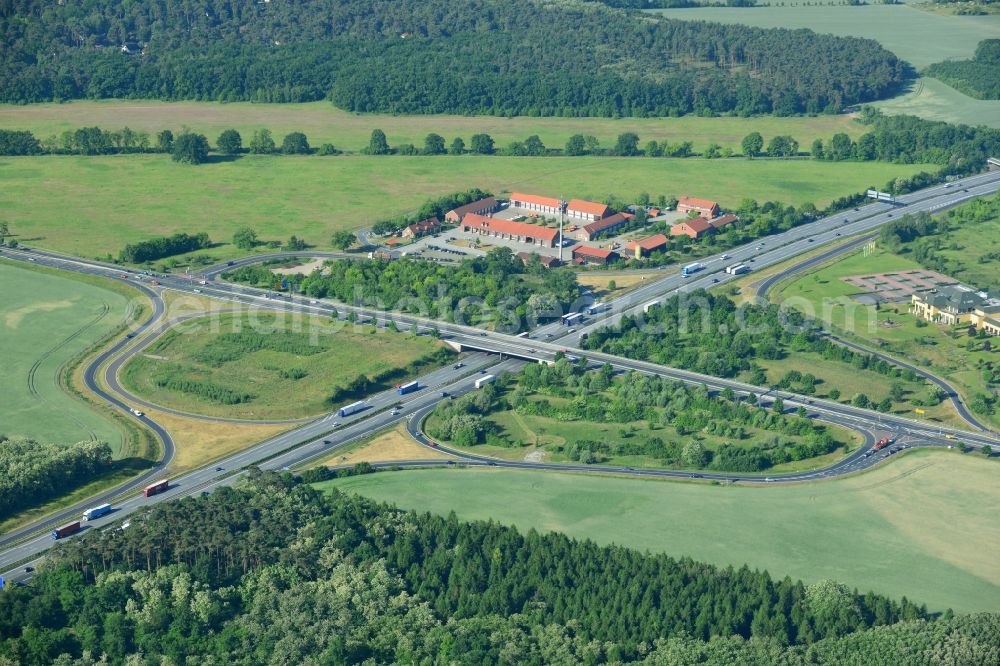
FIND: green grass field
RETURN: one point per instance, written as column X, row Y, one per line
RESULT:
column 254, row 352
column 117, row 200
column 917, row 36
column 924, row 526
column 892, row 327
column 324, row 123
column 46, row 320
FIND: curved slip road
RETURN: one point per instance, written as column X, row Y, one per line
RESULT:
column 300, row 446
column 952, row 394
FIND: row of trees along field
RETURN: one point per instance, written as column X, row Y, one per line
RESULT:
column 710, row 334
column 520, row 57
column 274, row 571
column 596, row 396
column 976, row 77
column 907, row 139
column 496, row 288
column 33, row 472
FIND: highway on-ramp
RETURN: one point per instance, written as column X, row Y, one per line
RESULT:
column 319, row 436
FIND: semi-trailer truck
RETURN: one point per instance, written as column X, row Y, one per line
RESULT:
column 882, row 443
column 572, row 318
column 596, row 308
column 691, row 268
column 737, row 269
column 648, row 306
column 66, row 530
column 352, row 408
column 409, row 387
column 156, row 488
column 483, row 381
column 97, row 512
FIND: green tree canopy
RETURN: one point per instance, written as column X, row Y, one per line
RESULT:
column 295, row 143
column 190, row 148
column 230, row 142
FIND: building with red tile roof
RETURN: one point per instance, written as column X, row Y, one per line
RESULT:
column 543, row 259
column 703, row 207
column 656, row 243
column 508, row 230
column 696, row 227
column 605, row 226
column 535, row 203
column 481, row 207
column 422, row 228
column 586, row 210
column 584, row 254
column 722, row 221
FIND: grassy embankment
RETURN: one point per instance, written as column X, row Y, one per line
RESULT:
column 266, row 366
column 391, row 444
column 923, row 526
column 917, row 36
column 314, row 196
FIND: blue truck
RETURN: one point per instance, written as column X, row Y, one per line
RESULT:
column 409, row 387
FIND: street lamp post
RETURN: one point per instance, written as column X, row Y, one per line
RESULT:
column 562, row 205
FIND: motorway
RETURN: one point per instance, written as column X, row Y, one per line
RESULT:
column 324, row 435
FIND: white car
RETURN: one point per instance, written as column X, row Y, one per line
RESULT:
column 724, row 257
column 313, row 302
column 137, row 412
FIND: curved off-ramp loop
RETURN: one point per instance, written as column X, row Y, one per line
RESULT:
column 113, row 370
column 90, row 381
column 953, row 396
column 847, row 464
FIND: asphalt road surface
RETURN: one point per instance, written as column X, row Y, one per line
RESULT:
column 328, row 433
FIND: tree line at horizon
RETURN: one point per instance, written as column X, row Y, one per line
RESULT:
column 509, row 57
column 273, row 569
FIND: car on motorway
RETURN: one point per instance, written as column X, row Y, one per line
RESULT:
column 29, row 569
column 714, row 280
column 444, row 394
column 312, row 302
column 457, row 366
column 136, row 412
column 220, row 469
column 724, row 257
column 197, row 291
column 697, row 476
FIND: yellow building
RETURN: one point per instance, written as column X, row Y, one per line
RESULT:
column 954, row 305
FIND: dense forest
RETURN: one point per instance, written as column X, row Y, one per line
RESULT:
column 274, row 572
column 597, row 396
column 505, row 57
column 496, row 290
column 33, row 472
column 978, row 77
